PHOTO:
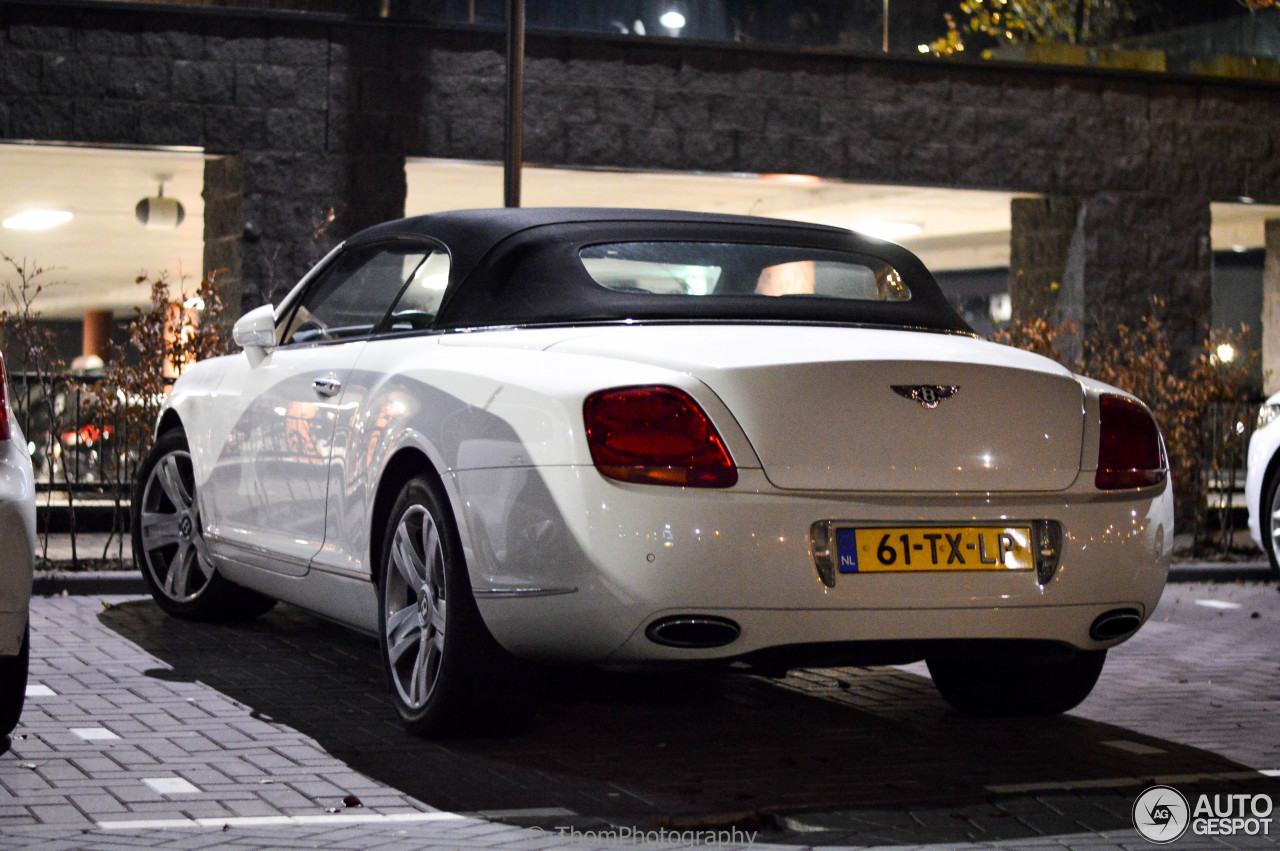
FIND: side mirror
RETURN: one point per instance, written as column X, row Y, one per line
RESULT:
column 256, row 329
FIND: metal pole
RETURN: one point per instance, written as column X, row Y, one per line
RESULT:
column 514, row 160
column 884, row 44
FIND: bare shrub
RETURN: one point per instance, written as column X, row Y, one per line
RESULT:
column 174, row 330
column 1193, row 405
column 37, row 386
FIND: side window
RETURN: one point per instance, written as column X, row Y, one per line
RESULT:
column 418, row 305
column 352, row 294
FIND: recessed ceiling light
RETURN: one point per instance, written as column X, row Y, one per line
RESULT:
column 37, row 219
column 887, row 230
column 792, row 178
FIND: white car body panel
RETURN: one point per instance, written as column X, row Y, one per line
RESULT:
column 1263, row 445
column 264, row 473
column 1015, row 424
column 569, row 566
column 18, row 535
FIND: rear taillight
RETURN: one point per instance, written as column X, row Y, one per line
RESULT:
column 1130, row 449
column 656, row 435
column 4, row 401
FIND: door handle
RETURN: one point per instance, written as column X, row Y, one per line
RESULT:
column 327, row 386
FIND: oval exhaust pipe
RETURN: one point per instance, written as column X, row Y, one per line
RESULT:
column 1118, row 623
column 693, row 631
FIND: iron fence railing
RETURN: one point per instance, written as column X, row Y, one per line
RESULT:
column 74, row 447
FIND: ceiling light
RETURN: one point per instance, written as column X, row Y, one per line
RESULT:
column 159, row 212
column 37, row 219
column 672, row 20
column 792, row 178
column 887, row 230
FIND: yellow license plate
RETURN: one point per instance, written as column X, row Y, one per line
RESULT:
column 891, row 549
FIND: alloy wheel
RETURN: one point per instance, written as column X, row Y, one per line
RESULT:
column 172, row 537
column 415, row 607
column 1273, row 528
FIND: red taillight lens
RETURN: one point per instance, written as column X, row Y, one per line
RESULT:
column 656, row 435
column 4, row 401
column 1130, row 449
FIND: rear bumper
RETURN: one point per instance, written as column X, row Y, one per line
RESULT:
column 575, row 568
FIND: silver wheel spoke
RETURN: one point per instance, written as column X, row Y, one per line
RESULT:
column 170, row 479
column 407, row 560
column 409, row 638
column 202, row 561
column 438, row 619
column 175, row 582
column 431, row 551
column 159, row 530
column 396, row 619
column 418, row 685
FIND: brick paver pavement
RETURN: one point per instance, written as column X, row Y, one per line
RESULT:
column 143, row 731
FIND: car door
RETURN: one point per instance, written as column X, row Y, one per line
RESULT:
column 268, row 489
column 350, row 484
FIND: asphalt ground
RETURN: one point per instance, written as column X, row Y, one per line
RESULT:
column 144, row 731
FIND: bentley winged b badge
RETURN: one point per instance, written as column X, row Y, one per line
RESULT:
column 928, row 395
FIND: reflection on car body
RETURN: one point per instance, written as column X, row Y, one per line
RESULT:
column 18, row 536
column 621, row 438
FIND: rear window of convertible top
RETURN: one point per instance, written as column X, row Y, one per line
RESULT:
column 709, row 269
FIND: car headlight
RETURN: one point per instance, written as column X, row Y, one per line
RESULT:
column 1267, row 414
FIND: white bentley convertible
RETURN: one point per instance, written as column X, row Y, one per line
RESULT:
column 621, row 438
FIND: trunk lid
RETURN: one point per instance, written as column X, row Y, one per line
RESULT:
column 849, row 409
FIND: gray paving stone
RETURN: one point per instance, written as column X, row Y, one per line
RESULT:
column 216, row 742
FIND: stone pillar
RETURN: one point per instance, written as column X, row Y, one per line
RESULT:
column 1046, row 264
column 283, row 208
column 1141, row 247
column 1271, row 310
column 224, row 228
column 1041, row 235
column 1100, row 261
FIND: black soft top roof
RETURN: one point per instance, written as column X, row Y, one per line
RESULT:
column 520, row 266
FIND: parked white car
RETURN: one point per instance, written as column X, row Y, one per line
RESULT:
column 622, row 438
column 1262, row 481
column 17, row 553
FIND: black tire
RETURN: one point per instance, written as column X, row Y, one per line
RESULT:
column 995, row 689
column 1269, row 520
column 446, row 673
column 13, row 684
column 169, row 546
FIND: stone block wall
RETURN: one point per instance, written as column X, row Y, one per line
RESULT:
column 319, row 114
